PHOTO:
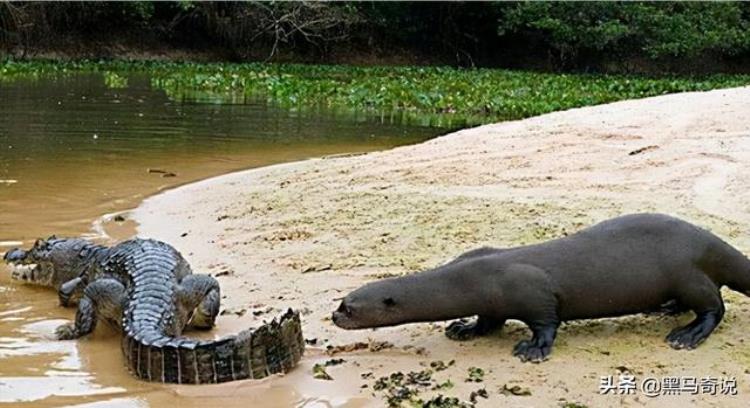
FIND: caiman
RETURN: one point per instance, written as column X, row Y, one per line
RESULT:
column 146, row 288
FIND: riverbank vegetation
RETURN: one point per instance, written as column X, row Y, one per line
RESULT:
column 622, row 37
column 472, row 95
column 461, row 63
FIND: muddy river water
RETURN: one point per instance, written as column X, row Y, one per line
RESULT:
column 73, row 149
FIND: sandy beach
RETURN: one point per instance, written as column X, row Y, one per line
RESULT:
column 304, row 234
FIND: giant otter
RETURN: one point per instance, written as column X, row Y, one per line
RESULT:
column 630, row 264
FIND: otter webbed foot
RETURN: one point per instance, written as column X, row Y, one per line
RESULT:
column 690, row 336
column 529, row 350
column 463, row 329
column 539, row 347
column 705, row 301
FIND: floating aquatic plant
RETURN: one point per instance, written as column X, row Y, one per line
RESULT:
column 476, row 95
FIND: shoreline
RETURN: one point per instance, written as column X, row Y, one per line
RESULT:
column 104, row 227
column 303, row 234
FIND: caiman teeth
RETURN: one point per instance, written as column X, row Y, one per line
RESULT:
column 23, row 271
column 20, row 265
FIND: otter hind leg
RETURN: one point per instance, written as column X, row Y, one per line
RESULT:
column 705, row 300
column 464, row 329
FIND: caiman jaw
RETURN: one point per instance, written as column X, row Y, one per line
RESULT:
column 23, row 272
column 20, row 270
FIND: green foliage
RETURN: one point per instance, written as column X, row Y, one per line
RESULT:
column 573, row 405
column 603, row 35
column 93, row 16
column 655, row 29
column 474, row 95
column 114, row 81
column 141, row 10
column 476, row 374
column 319, row 372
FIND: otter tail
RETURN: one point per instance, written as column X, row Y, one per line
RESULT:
column 735, row 268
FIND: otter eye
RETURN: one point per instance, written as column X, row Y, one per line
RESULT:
column 389, row 302
column 343, row 308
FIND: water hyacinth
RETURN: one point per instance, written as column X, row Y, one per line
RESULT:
column 475, row 95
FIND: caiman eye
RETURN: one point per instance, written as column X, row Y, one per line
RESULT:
column 389, row 302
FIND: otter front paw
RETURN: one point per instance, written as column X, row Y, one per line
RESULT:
column 66, row 332
column 531, row 351
column 461, row 330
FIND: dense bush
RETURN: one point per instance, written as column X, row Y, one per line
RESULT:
column 574, row 35
column 247, row 25
column 39, row 19
column 654, row 30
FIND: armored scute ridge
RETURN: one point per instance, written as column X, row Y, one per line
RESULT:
column 147, row 288
column 275, row 347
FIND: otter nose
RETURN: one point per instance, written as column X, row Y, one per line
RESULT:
column 14, row 255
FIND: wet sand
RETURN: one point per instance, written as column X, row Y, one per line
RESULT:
column 304, row 234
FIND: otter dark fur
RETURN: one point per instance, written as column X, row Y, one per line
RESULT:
column 630, row 264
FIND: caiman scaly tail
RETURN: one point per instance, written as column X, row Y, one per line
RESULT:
column 153, row 348
column 275, row 347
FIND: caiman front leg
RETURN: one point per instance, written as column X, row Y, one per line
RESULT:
column 102, row 298
column 68, row 290
column 200, row 295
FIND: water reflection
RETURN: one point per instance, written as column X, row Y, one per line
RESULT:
column 34, row 365
column 72, row 148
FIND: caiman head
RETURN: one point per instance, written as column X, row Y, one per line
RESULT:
column 50, row 262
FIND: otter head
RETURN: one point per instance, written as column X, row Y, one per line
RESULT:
column 377, row 304
column 49, row 262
